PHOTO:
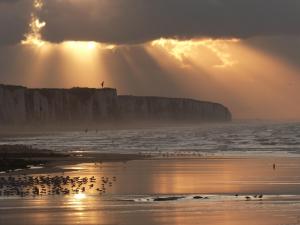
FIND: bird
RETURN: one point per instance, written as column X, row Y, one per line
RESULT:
column 50, row 185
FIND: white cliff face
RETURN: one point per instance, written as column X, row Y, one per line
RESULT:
column 74, row 105
column 19, row 105
column 12, row 104
column 158, row 108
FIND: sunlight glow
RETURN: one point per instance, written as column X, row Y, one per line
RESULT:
column 87, row 46
column 182, row 49
column 34, row 36
column 80, row 45
column 38, row 4
column 76, row 62
column 80, row 196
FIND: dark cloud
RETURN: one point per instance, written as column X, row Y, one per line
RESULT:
column 14, row 17
column 135, row 21
column 9, row 1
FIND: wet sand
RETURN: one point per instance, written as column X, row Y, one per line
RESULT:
column 202, row 191
column 15, row 159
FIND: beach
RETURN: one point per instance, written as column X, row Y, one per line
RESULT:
column 160, row 190
column 238, row 173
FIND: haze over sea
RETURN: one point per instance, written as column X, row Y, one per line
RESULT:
column 238, row 138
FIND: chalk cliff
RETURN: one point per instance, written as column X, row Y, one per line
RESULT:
column 20, row 105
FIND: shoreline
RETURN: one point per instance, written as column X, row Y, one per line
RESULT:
column 37, row 129
column 16, row 159
column 53, row 165
column 21, row 158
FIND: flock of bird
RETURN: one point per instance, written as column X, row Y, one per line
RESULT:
column 24, row 186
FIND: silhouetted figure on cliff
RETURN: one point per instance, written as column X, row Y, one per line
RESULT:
column 102, row 84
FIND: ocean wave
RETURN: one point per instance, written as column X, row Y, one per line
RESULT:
column 213, row 138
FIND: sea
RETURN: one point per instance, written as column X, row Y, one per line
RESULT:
column 234, row 138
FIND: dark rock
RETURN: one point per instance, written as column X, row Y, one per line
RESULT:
column 161, row 199
column 197, row 197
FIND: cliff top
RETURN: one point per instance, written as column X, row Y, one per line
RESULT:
column 168, row 98
column 11, row 87
column 14, row 87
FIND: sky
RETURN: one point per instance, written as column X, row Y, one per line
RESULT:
column 241, row 53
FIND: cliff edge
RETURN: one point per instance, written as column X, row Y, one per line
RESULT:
column 21, row 105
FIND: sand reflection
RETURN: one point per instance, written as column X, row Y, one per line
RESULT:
column 180, row 177
column 207, row 176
